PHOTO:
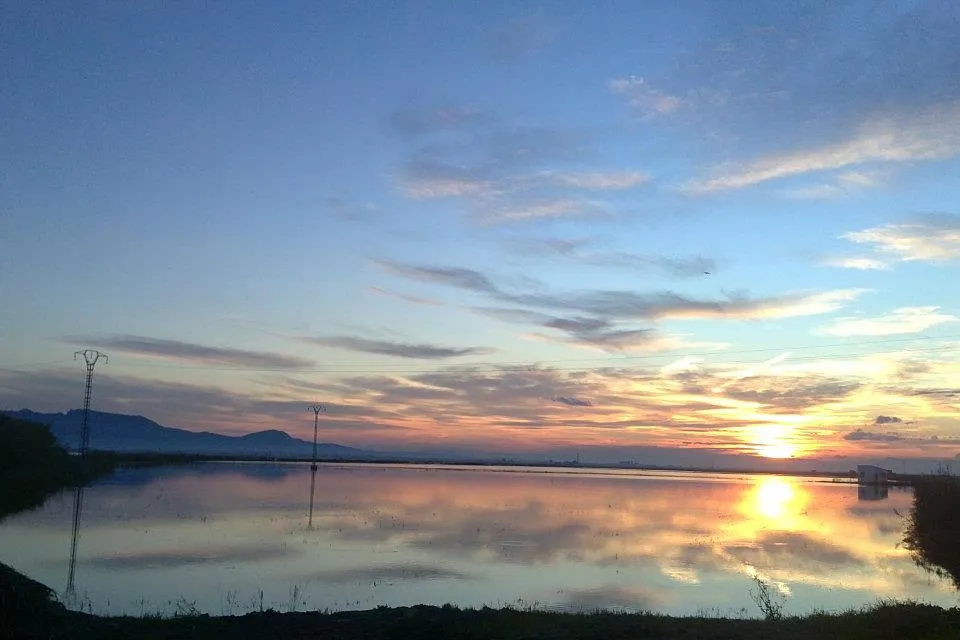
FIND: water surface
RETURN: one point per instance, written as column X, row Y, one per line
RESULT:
column 226, row 538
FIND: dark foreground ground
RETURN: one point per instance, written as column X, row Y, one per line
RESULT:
column 28, row 610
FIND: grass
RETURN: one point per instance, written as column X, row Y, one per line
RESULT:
column 900, row 621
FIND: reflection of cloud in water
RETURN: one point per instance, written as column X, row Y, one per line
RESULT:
column 167, row 558
column 674, row 543
column 523, row 543
column 399, row 572
column 613, row 597
column 795, row 550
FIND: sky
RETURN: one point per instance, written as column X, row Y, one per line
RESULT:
column 720, row 227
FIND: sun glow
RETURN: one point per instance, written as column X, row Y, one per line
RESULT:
column 774, row 498
column 772, row 441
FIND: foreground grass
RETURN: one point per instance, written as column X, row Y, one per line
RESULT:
column 47, row 619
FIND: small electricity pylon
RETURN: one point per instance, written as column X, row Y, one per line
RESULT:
column 91, row 357
column 317, row 409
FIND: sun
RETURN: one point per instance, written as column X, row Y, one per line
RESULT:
column 782, row 450
column 773, row 441
column 775, row 498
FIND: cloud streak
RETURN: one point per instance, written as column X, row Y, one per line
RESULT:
column 643, row 97
column 931, row 238
column 502, row 173
column 578, row 250
column 190, row 352
column 610, row 181
column 930, row 134
column 398, row 349
column 572, row 401
column 406, row 297
column 861, row 263
column 898, row 321
column 632, row 305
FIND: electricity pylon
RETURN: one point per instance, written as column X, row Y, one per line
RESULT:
column 91, row 357
column 317, row 409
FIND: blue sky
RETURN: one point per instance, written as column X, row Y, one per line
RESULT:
column 489, row 224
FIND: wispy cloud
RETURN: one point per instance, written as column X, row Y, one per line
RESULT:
column 902, row 320
column 190, row 352
column 456, row 277
column 544, row 209
column 872, row 436
column 932, row 134
column 680, row 267
column 668, row 304
column 572, row 401
column 418, row 351
column 839, row 186
column 584, row 331
column 863, row 263
column 647, row 99
column 580, row 251
column 816, row 192
column 406, row 297
column 632, row 305
column 426, row 180
column 593, row 332
column 860, row 178
column 502, row 173
column 931, row 238
column 612, row 181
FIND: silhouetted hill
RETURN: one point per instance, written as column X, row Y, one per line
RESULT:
column 119, row 432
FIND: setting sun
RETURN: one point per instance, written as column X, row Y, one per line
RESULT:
column 774, row 498
column 772, row 441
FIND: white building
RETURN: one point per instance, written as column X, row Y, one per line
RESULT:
column 869, row 474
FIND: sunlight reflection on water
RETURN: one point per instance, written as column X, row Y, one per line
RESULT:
column 215, row 535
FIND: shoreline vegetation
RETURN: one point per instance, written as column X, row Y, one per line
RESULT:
column 33, row 467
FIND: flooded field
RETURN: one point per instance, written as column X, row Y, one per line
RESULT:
column 227, row 538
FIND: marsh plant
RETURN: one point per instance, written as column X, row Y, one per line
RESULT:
column 933, row 526
column 769, row 600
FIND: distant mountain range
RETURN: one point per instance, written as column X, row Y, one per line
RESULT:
column 119, row 432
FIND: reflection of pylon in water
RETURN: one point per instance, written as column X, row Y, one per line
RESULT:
column 313, row 484
column 70, row 595
column 317, row 409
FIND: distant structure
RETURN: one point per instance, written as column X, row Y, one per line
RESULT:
column 90, row 357
column 317, row 409
column 869, row 474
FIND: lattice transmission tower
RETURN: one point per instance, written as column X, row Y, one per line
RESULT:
column 317, row 409
column 91, row 357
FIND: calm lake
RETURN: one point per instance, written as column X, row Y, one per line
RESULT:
column 227, row 538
